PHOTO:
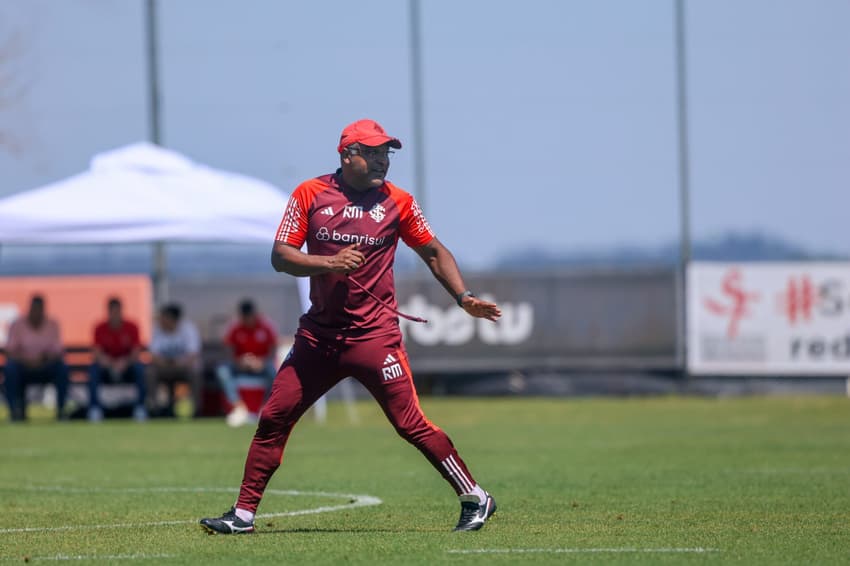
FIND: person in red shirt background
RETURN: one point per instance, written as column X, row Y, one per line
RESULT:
column 116, row 359
column 352, row 221
column 252, row 345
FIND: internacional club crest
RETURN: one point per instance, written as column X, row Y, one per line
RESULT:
column 377, row 212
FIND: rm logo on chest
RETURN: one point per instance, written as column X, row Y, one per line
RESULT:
column 352, row 212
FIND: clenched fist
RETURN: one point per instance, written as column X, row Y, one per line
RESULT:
column 347, row 259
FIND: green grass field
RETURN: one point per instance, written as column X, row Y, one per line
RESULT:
column 643, row 481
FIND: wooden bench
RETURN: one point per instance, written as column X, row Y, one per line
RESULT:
column 79, row 360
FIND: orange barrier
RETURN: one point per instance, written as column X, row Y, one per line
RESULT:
column 78, row 303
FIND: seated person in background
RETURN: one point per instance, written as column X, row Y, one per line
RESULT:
column 34, row 355
column 175, row 356
column 116, row 359
column 252, row 347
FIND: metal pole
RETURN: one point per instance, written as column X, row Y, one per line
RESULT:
column 418, row 116
column 684, row 184
column 160, row 274
column 153, row 71
column 160, row 267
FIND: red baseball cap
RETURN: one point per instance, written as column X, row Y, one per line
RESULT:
column 367, row 132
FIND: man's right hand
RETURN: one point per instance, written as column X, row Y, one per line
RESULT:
column 251, row 363
column 347, row 259
column 117, row 366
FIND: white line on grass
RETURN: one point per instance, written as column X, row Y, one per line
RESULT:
column 807, row 471
column 355, row 500
column 87, row 557
column 577, row 550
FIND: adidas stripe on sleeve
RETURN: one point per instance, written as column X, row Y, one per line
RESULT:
column 293, row 226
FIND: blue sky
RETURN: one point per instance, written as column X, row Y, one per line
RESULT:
column 548, row 124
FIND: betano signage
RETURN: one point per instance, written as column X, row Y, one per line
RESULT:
column 769, row 318
column 578, row 320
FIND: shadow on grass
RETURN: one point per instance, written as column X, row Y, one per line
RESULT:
column 271, row 530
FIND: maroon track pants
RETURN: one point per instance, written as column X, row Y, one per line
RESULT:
column 313, row 368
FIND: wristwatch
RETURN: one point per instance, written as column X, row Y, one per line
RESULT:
column 460, row 296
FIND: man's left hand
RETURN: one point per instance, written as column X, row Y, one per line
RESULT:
column 481, row 309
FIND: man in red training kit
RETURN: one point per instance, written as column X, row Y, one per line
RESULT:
column 351, row 221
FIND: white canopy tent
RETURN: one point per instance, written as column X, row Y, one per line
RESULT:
column 143, row 193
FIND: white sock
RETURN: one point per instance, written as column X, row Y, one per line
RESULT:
column 245, row 515
column 479, row 493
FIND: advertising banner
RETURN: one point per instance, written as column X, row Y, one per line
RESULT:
column 578, row 320
column 769, row 318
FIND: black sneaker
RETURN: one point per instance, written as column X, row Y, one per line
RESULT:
column 227, row 524
column 473, row 514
